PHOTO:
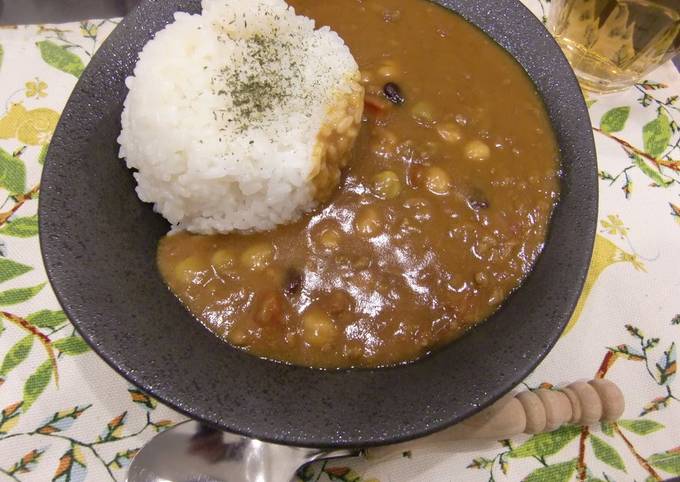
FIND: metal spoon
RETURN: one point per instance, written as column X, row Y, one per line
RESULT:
column 192, row 452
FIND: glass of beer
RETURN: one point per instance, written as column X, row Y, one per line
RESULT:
column 611, row 44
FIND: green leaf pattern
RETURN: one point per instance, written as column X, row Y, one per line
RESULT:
column 11, row 269
column 545, row 444
column 66, row 416
column 668, row 461
column 42, row 359
column 21, row 227
column 553, row 473
column 19, row 295
column 43, row 154
column 18, row 353
column 615, row 119
column 12, row 173
column 59, row 57
column 47, row 318
column 606, row 453
column 607, row 428
column 658, row 178
column 36, row 383
column 642, row 426
column 72, row 345
column 657, row 135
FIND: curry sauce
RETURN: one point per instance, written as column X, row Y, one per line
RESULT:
column 442, row 211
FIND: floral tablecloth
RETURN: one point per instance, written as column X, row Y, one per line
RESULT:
column 66, row 416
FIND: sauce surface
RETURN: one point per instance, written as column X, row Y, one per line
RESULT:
column 444, row 207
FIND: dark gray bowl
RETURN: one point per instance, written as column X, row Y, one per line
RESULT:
column 99, row 244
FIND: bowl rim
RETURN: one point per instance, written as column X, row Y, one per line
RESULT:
column 510, row 24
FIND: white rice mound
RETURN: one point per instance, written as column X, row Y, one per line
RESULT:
column 224, row 112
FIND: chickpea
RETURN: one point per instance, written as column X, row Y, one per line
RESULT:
column 386, row 185
column 361, row 263
column 237, row 336
column 318, row 328
column 189, row 269
column 423, row 113
column 486, row 244
column 258, row 256
column 368, row 222
column 505, row 250
column 330, row 238
column 450, row 132
column 407, row 150
column 223, row 260
column 389, row 70
column 384, row 143
column 477, row 151
column 437, row 181
column 481, row 278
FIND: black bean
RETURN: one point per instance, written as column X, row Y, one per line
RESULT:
column 293, row 281
column 393, row 93
column 477, row 200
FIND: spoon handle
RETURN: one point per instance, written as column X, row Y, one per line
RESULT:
column 531, row 412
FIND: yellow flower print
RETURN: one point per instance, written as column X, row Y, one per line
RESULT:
column 36, row 88
column 31, row 127
column 634, row 259
column 613, row 226
column 88, row 30
column 605, row 254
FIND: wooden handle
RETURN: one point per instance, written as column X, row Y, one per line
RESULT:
column 530, row 412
